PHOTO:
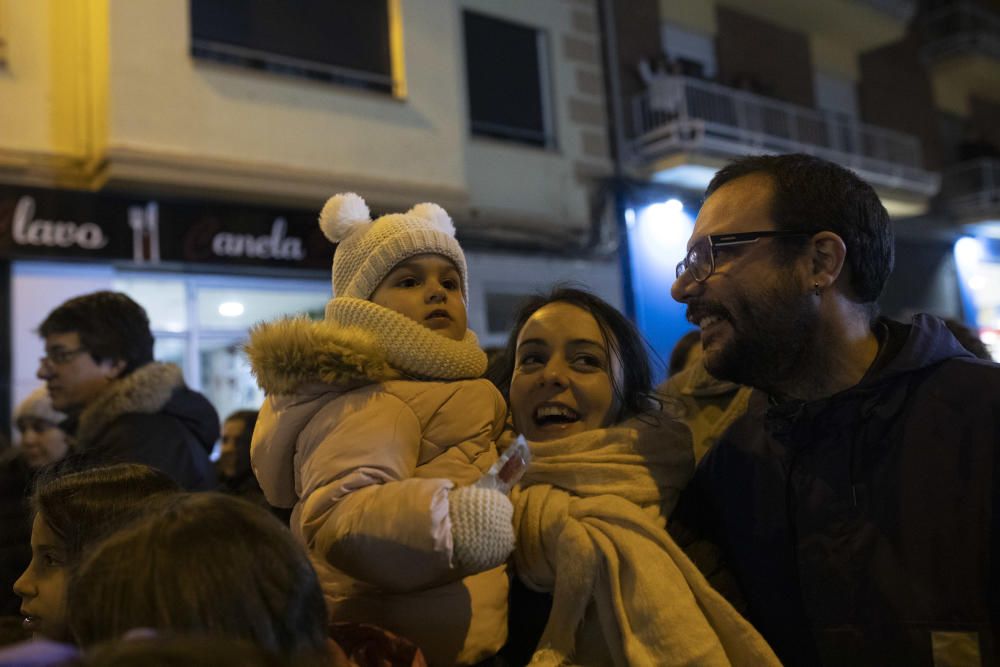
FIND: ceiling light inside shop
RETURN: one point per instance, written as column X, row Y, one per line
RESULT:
column 231, row 309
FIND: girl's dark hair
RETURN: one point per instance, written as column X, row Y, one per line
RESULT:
column 183, row 652
column 201, row 564
column 622, row 340
column 83, row 507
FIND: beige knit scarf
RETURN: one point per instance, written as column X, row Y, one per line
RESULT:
column 589, row 519
column 409, row 346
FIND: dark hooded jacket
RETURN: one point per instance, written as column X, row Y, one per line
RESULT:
column 150, row 416
column 862, row 528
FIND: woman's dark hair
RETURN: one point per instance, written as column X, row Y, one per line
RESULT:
column 83, row 507
column 201, row 564
column 633, row 391
column 111, row 326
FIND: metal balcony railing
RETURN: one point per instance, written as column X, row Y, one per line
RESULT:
column 682, row 114
column 971, row 190
column 960, row 28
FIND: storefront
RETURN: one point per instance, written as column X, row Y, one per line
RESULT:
column 205, row 272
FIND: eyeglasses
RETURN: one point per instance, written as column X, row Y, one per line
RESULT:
column 59, row 356
column 700, row 259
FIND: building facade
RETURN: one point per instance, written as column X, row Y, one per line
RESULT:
column 180, row 151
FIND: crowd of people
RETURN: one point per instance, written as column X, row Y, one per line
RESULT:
column 813, row 484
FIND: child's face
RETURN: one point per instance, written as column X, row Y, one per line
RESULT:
column 42, row 587
column 427, row 289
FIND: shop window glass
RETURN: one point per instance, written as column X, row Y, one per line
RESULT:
column 507, row 78
column 165, row 301
column 226, row 378
column 241, row 308
column 170, row 350
column 335, row 41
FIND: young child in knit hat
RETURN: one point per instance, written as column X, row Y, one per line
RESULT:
column 376, row 426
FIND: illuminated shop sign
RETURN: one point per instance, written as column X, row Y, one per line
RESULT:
column 106, row 226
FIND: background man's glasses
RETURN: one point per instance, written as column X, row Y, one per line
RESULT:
column 700, row 260
column 59, row 357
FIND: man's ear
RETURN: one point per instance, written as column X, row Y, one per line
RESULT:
column 828, row 255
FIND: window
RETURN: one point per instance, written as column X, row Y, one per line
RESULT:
column 693, row 51
column 335, row 41
column 506, row 68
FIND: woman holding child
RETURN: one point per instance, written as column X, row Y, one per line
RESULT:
column 590, row 513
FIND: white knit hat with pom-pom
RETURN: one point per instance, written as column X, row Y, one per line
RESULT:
column 368, row 249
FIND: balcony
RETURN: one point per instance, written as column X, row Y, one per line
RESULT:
column 971, row 190
column 960, row 29
column 683, row 116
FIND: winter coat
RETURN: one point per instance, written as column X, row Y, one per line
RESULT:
column 15, row 526
column 149, row 416
column 862, row 527
column 708, row 406
column 367, row 461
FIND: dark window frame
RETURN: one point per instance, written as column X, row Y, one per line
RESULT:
column 383, row 76
column 544, row 136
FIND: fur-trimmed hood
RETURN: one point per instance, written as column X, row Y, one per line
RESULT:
column 291, row 353
column 147, row 390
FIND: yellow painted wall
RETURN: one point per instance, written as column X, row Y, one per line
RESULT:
column 53, row 86
column 165, row 101
column 25, row 79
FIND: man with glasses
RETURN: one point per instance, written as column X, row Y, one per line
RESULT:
column 123, row 406
column 854, row 501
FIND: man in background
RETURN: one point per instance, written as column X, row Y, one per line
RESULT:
column 123, row 406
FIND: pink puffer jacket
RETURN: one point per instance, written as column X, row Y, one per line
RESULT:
column 368, row 470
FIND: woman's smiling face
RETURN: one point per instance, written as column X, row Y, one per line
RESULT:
column 562, row 374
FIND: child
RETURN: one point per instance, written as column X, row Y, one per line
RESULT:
column 72, row 513
column 375, row 428
column 203, row 564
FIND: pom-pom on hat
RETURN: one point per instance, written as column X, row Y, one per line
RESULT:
column 38, row 405
column 369, row 249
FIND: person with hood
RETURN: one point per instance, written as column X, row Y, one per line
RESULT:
column 376, row 429
column 124, row 407
column 855, row 501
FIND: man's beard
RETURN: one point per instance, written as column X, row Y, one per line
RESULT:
column 773, row 333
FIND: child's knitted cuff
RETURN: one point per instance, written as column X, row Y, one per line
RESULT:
column 482, row 528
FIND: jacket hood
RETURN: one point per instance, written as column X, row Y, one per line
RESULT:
column 196, row 413
column 927, row 342
column 155, row 387
column 290, row 353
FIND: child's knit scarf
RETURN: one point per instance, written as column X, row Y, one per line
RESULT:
column 589, row 519
column 359, row 342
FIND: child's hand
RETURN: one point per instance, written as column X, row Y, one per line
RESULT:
column 482, row 528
